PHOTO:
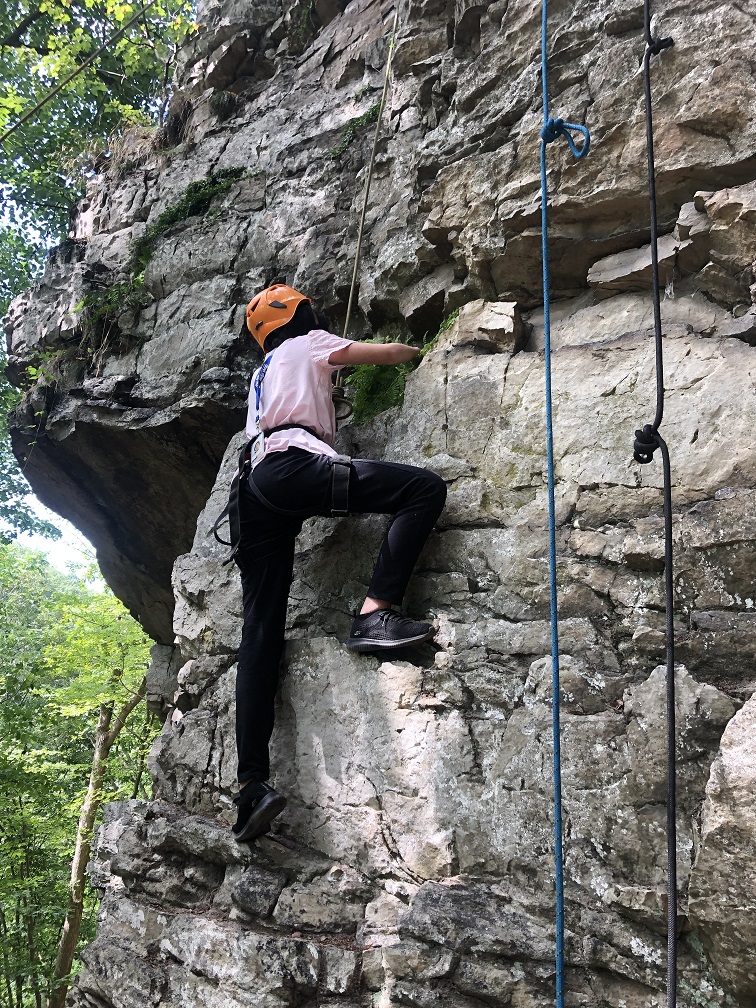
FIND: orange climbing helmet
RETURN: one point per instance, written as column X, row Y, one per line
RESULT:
column 272, row 308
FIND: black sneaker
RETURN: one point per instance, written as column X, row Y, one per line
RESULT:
column 384, row 629
column 258, row 805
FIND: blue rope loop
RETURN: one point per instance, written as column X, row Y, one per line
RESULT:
column 554, row 128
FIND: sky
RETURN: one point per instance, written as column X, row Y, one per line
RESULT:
column 71, row 548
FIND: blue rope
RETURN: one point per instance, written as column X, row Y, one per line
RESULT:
column 552, row 130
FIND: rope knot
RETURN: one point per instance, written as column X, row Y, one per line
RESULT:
column 554, row 128
column 645, row 444
column 657, row 45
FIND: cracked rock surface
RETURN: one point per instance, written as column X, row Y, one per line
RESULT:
column 413, row 864
column 285, row 91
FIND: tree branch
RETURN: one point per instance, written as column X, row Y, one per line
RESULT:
column 119, row 719
column 14, row 39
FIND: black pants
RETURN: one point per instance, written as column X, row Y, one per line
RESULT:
column 298, row 480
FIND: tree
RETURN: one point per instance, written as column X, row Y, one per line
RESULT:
column 92, row 648
column 43, row 41
column 69, row 654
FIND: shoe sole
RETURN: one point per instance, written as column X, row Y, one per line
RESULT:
column 366, row 644
column 262, row 815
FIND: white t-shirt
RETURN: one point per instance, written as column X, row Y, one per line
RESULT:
column 297, row 389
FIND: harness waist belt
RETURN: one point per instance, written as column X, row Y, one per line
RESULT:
column 291, row 426
column 340, row 472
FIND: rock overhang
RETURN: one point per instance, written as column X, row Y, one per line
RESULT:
column 454, row 221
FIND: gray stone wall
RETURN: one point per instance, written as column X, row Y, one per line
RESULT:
column 413, row 864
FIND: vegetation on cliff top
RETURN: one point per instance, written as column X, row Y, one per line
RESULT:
column 41, row 167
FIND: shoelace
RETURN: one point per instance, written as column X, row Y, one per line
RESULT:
column 389, row 614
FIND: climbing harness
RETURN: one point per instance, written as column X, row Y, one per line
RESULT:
column 341, row 404
column 647, row 440
column 250, row 454
column 552, row 130
column 341, row 467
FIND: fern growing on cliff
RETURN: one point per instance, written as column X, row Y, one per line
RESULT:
column 349, row 132
column 379, row 387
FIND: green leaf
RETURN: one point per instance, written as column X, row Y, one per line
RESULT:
column 123, row 85
column 67, row 643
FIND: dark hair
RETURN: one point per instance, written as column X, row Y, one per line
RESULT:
column 304, row 319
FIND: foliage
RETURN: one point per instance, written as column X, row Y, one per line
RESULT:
column 447, row 323
column 349, row 132
column 68, row 645
column 100, row 310
column 15, row 513
column 379, row 387
column 123, row 151
column 302, row 24
column 41, row 43
column 223, row 104
column 196, row 200
column 104, row 304
column 362, row 91
column 20, row 261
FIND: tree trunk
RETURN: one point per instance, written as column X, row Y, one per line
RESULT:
column 6, row 959
column 108, row 728
column 31, row 907
column 19, row 956
column 31, row 951
column 142, row 765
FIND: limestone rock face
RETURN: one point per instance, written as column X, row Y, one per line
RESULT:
column 723, row 884
column 285, row 90
column 414, row 860
column 413, row 864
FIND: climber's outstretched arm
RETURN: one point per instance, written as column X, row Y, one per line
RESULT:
column 373, row 353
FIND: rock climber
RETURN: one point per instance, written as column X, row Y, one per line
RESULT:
column 296, row 474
